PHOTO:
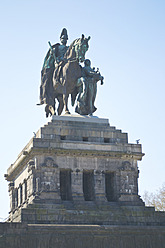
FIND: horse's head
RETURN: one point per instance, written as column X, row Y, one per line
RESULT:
column 81, row 46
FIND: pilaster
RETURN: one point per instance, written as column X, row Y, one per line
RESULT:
column 77, row 185
column 99, row 185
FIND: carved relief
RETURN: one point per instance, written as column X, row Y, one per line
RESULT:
column 31, row 165
column 126, row 166
column 46, row 186
column 128, row 184
column 49, row 162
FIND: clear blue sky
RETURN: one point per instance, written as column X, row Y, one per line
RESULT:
column 127, row 44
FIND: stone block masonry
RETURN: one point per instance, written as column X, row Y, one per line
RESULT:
column 18, row 235
column 74, row 163
column 75, row 184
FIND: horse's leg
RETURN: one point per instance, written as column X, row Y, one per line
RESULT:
column 52, row 109
column 47, row 110
column 54, row 105
column 65, row 100
column 61, row 104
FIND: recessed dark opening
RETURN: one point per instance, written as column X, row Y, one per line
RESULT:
column 88, row 185
column 85, row 138
column 110, row 186
column 63, row 137
column 65, row 185
column 25, row 189
column 20, row 194
column 106, row 140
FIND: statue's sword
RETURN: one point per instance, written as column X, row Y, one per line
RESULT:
column 51, row 49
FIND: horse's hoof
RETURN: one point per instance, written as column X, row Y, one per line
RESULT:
column 67, row 112
column 51, row 110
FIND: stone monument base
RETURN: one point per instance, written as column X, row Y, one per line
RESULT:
column 75, row 184
column 18, row 235
column 101, row 213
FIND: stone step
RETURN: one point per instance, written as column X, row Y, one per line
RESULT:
column 87, row 205
column 74, row 216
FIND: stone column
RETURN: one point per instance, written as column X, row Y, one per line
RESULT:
column 57, row 184
column 77, row 185
column 31, row 184
column 16, row 197
column 99, row 179
column 38, row 185
column 12, row 196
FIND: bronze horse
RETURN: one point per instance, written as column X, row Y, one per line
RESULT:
column 67, row 73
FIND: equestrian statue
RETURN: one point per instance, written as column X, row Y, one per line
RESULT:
column 62, row 75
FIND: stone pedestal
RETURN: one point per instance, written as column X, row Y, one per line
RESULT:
column 78, row 170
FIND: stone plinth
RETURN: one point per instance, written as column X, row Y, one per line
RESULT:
column 78, row 170
column 18, row 235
